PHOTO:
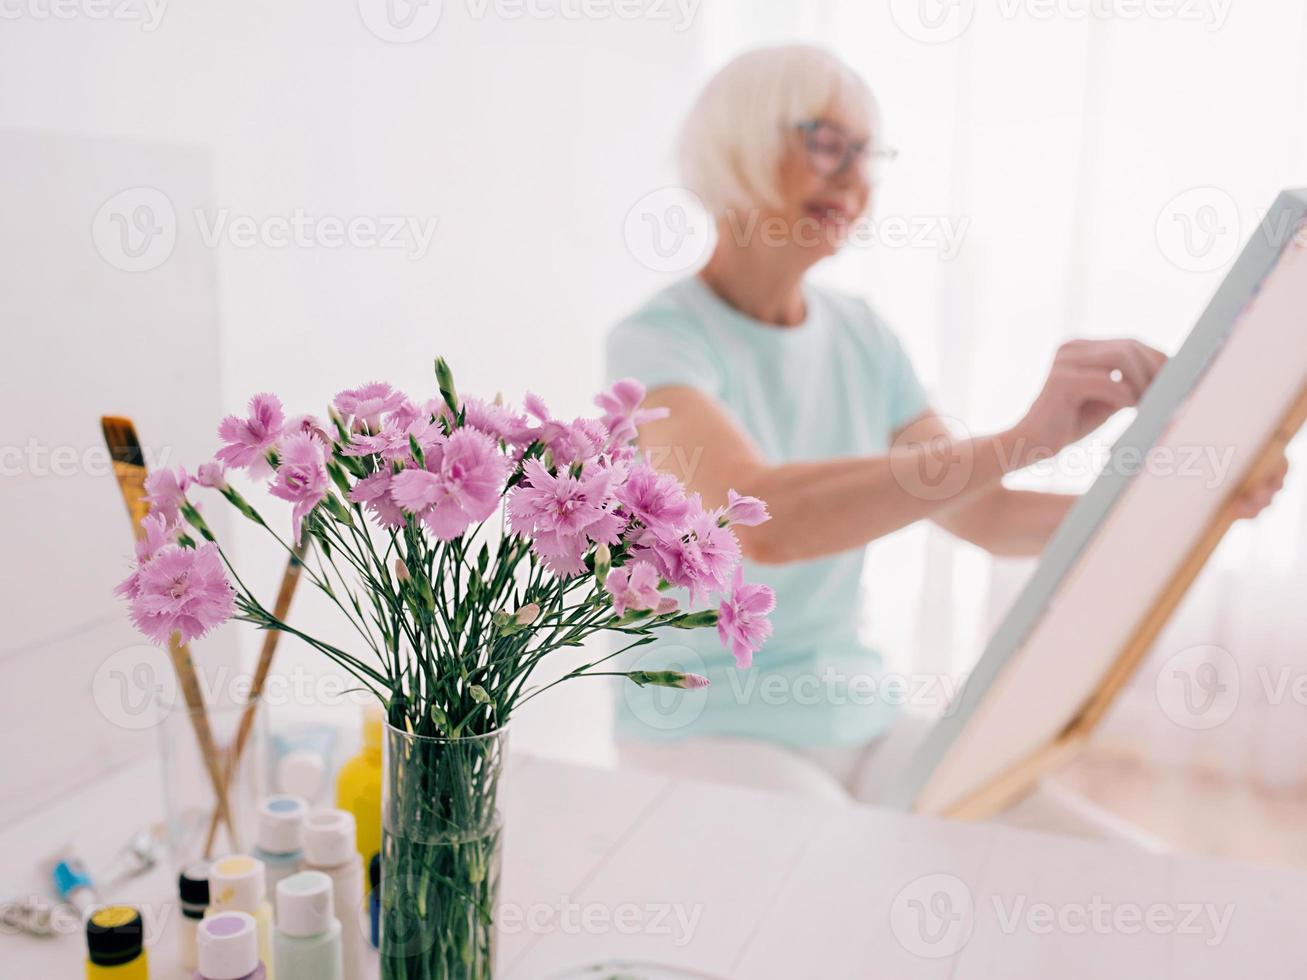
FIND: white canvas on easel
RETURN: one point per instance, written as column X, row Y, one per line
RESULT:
column 1218, row 412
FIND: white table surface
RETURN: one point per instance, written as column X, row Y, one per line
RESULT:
column 738, row 883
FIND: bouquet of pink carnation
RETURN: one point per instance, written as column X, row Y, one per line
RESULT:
column 396, row 500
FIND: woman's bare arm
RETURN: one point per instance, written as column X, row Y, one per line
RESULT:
column 1002, row 521
column 822, row 507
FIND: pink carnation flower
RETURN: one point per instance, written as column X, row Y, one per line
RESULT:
column 677, row 557
column 368, row 403
column 718, row 549
column 742, row 623
column 748, row 511
column 636, row 588
column 392, row 440
column 622, row 412
column 498, row 421
column 247, row 441
column 181, row 590
column 578, row 441
column 373, row 492
column 301, row 478
column 563, row 514
column 158, row 533
column 654, row 499
column 309, row 425
column 166, row 492
column 463, row 480
column 562, row 554
column 212, row 475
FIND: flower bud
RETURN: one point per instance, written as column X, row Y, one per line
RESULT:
column 527, row 614
column 669, row 678
column 401, row 570
column 445, row 381
column 211, row 476
column 603, row 562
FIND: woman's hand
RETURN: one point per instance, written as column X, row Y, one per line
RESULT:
column 1258, row 497
column 1090, row 381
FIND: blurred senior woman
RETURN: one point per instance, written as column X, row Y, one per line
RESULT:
column 804, row 397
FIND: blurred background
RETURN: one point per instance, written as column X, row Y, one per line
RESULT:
column 204, row 201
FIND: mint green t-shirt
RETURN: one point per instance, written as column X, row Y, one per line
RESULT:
column 837, row 385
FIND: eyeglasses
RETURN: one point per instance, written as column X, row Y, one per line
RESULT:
column 830, row 152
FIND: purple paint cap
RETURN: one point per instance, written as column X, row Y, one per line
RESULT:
column 228, row 945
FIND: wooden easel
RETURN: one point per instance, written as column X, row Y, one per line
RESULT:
column 1011, row 786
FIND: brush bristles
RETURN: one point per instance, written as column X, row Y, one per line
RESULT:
column 120, row 436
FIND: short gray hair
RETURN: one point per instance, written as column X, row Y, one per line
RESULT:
column 735, row 136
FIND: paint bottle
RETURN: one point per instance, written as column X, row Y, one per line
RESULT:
column 238, row 884
column 374, row 900
column 193, row 891
column 281, row 837
column 358, row 784
column 307, row 942
column 228, row 946
column 115, row 943
column 329, row 847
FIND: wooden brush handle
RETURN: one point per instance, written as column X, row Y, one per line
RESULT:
column 289, row 579
column 120, row 433
column 190, row 685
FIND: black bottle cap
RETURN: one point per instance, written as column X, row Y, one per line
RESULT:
column 114, row 935
column 193, row 885
column 374, row 872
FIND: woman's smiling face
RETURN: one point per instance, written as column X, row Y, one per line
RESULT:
column 825, row 181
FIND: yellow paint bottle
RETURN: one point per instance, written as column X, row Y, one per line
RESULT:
column 115, row 941
column 358, row 785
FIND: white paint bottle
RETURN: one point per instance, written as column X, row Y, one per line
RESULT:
column 331, row 846
column 281, row 837
column 307, row 940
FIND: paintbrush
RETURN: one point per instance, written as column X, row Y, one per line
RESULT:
column 130, row 471
column 289, row 579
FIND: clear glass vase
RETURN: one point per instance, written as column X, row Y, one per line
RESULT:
column 440, row 855
column 193, row 828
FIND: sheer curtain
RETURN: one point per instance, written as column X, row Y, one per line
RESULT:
column 1073, row 169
